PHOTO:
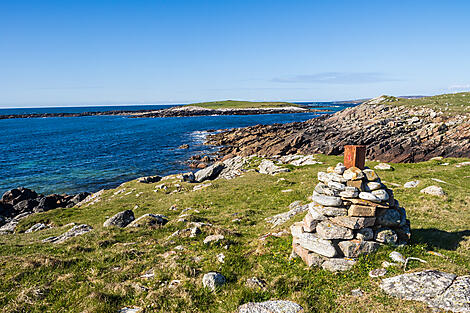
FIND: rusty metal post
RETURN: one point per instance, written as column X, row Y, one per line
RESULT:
column 355, row 155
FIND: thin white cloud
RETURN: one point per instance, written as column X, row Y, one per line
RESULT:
column 343, row 78
column 459, row 87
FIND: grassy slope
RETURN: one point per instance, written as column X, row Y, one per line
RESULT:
column 99, row 271
column 233, row 104
column 451, row 103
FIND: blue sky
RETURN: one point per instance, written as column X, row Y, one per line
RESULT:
column 84, row 52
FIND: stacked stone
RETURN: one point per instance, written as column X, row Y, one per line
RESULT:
column 352, row 213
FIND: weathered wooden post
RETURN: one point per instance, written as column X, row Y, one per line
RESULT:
column 355, row 155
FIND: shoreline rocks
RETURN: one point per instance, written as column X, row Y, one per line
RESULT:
column 385, row 129
column 340, row 227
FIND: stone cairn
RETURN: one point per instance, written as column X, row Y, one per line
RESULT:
column 352, row 213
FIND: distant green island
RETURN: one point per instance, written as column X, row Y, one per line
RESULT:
column 235, row 104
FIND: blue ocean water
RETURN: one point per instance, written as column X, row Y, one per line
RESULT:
column 74, row 154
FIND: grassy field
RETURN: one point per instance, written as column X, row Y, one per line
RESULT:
column 450, row 103
column 233, row 104
column 100, row 271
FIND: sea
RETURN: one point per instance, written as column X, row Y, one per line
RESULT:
column 76, row 154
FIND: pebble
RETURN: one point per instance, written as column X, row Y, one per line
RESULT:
column 221, row 257
column 357, row 292
column 213, row 238
column 378, row 272
column 397, row 257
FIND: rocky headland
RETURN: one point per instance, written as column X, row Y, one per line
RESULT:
column 178, row 111
column 392, row 131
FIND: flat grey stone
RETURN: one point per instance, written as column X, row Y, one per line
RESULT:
column 354, row 248
column 381, row 194
column 353, row 222
column 373, row 186
column 272, row 306
column 368, row 196
column 456, row 298
column 315, row 244
column 338, row 264
column 336, row 186
column 327, row 200
column 328, row 230
column 325, row 190
column 327, row 210
column 420, row 286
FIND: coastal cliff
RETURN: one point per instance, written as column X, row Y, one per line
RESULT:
column 394, row 130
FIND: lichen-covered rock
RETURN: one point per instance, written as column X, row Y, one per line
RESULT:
column 353, row 248
column 437, row 289
column 273, row 306
column 121, row 219
column 315, row 244
column 327, row 200
column 328, row 230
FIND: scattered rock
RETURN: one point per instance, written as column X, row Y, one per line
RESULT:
column 213, row 239
column 434, row 191
column 213, row 280
column 384, row 167
column 10, row 227
column 281, row 218
column 221, row 257
column 397, row 257
column 36, row 227
column 378, row 272
column 255, row 283
column 121, row 219
column 131, row 310
column 209, row 173
column 357, row 292
column 411, row 184
column 149, row 220
column 273, row 306
column 73, row 232
column 268, row 167
column 202, row 186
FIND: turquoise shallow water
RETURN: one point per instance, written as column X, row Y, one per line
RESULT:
column 73, row 154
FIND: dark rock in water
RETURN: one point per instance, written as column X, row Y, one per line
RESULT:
column 121, row 219
column 209, row 173
column 16, row 195
column 149, row 179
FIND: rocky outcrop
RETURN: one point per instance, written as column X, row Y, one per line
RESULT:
column 121, row 219
column 20, row 202
column 73, row 232
column 392, row 133
column 437, row 289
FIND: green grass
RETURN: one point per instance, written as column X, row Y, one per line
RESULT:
column 100, row 271
column 450, row 103
column 233, row 104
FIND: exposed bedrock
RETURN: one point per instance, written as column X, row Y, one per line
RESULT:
column 392, row 134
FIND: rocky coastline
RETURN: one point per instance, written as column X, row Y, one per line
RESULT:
column 178, row 111
column 392, row 133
